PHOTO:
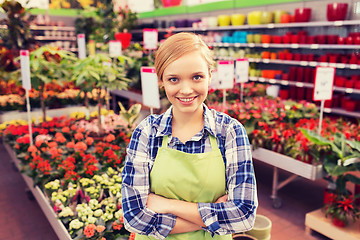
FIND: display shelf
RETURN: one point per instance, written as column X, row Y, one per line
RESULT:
column 317, row 221
column 342, row 112
column 296, row 167
column 268, row 26
column 284, row 45
column 300, row 84
column 50, row 28
column 56, row 224
column 46, row 38
column 298, row 63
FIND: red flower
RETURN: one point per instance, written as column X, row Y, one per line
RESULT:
column 117, row 226
column 89, row 140
column 70, row 145
column 80, row 146
column 78, row 136
column 59, row 137
column 32, row 149
column 100, row 228
column 110, row 138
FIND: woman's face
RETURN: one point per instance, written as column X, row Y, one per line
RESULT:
column 186, row 82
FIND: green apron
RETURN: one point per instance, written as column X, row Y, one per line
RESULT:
column 190, row 177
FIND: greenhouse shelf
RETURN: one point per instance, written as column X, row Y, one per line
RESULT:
column 316, row 221
column 56, row 224
column 296, row 167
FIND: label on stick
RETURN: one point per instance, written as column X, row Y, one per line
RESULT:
column 225, row 75
column 81, row 45
column 25, row 69
column 115, row 48
column 324, row 82
column 150, row 87
column 242, row 70
column 150, row 37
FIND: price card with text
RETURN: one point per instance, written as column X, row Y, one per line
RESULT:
column 150, row 37
column 242, row 70
column 225, row 74
column 324, row 82
column 25, row 69
column 150, row 87
column 214, row 83
column 115, row 48
column 81, row 45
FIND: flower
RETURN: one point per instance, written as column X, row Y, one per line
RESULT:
column 100, row 228
column 89, row 230
column 341, row 207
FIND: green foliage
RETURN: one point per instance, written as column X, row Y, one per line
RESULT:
column 131, row 115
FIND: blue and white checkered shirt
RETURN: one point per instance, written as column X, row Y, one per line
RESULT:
column 236, row 215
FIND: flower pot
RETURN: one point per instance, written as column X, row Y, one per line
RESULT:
column 262, row 228
column 338, row 222
column 302, row 14
column 238, row 19
column 171, row 3
column 336, row 11
column 224, row 20
column 243, row 237
column 124, row 38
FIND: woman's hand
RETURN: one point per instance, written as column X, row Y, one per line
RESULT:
column 222, row 199
column 158, row 203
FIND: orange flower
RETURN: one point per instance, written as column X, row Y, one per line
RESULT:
column 80, row 130
column 100, row 228
column 89, row 140
column 80, row 146
column 73, row 128
column 52, row 144
column 110, row 138
column 39, row 142
column 65, row 129
column 89, row 230
column 32, row 149
column 117, row 226
column 70, row 145
column 59, row 137
column 78, row 136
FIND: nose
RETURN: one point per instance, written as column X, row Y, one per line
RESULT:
column 186, row 87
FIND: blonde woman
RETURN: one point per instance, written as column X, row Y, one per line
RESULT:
column 188, row 172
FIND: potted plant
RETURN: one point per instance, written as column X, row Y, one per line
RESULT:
column 99, row 72
column 126, row 21
column 340, row 208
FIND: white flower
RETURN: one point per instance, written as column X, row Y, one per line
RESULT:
column 66, row 212
column 75, row 224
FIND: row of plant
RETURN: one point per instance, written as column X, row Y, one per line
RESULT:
column 78, row 169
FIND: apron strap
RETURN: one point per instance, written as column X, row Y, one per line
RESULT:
column 165, row 141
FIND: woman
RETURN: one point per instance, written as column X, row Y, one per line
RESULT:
column 188, row 172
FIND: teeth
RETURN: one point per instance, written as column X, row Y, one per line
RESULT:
column 186, row 99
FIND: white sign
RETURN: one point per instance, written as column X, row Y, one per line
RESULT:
column 324, row 82
column 214, row 83
column 150, row 37
column 81, row 45
column 115, row 48
column 25, row 69
column 150, row 87
column 226, row 74
column 241, row 70
column 43, row 4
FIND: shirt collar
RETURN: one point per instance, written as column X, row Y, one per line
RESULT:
column 163, row 123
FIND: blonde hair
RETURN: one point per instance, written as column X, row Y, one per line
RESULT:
column 178, row 45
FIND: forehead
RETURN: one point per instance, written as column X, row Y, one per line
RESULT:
column 193, row 61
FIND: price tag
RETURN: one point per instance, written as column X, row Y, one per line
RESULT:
column 150, row 37
column 214, row 84
column 226, row 74
column 324, row 82
column 242, row 70
column 150, row 87
column 25, row 69
column 81, row 45
column 294, row 45
column 115, row 48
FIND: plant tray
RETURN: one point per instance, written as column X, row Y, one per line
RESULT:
column 317, row 221
column 56, row 224
column 305, row 170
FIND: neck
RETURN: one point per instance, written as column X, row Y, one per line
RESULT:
column 188, row 119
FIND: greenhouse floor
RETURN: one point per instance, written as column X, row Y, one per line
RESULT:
column 21, row 218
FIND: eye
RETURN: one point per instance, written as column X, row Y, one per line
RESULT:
column 198, row 77
column 173, row 80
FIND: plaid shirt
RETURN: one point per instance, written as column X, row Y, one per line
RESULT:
column 236, row 215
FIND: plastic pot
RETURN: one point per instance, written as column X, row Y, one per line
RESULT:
column 336, row 11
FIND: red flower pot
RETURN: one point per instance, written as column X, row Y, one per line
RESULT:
column 336, row 11
column 338, row 222
column 284, row 93
column 302, row 14
column 171, row 3
column 124, row 38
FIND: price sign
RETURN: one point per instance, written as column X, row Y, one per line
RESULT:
column 150, row 37
column 81, row 45
column 115, row 48
column 324, row 82
column 226, row 74
column 214, row 84
column 150, row 87
column 242, row 70
column 25, row 69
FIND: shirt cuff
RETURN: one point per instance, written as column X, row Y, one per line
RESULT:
column 209, row 217
column 164, row 224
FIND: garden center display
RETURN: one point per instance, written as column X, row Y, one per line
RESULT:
column 76, row 160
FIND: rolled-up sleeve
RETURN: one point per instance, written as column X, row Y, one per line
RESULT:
column 238, row 213
column 136, row 187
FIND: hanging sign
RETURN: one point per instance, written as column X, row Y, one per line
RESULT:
column 81, row 45
column 150, row 87
column 115, row 48
column 242, row 70
column 226, row 74
column 25, row 69
column 150, row 37
column 324, row 82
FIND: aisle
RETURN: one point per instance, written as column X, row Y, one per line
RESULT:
column 21, row 218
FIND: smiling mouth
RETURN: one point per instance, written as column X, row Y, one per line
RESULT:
column 186, row 100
